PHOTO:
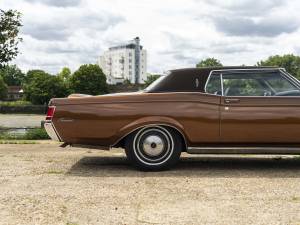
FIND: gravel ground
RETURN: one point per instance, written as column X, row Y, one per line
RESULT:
column 43, row 184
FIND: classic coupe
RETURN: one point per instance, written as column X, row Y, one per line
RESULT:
column 227, row 110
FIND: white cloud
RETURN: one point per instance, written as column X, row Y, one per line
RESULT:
column 176, row 33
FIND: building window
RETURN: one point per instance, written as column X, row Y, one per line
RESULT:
column 130, row 54
column 130, row 61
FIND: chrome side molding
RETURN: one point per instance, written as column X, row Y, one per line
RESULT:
column 244, row 150
column 66, row 120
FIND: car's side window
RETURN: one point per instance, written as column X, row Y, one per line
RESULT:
column 213, row 85
column 258, row 84
column 241, row 85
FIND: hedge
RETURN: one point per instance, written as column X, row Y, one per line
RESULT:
column 27, row 109
column 30, row 134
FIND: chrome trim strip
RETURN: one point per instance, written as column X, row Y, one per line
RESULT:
column 244, row 150
column 208, row 78
column 150, row 125
column 222, row 86
column 66, row 120
column 51, row 131
column 258, row 68
column 290, row 77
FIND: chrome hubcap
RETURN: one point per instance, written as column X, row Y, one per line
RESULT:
column 153, row 145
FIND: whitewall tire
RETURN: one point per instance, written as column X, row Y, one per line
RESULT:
column 153, row 148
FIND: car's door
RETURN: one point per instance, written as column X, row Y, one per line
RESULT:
column 259, row 106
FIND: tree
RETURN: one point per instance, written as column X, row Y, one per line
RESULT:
column 3, row 89
column 64, row 74
column 12, row 75
column 126, row 82
column 40, row 87
column 89, row 79
column 290, row 62
column 10, row 23
column 31, row 74
column 209, row 62
column 151, row 78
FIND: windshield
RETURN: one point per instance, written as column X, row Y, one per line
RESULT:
column 155, row 83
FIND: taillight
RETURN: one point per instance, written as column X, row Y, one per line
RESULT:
column 50, row 112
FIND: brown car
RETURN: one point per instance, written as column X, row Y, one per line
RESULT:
column 228, row 110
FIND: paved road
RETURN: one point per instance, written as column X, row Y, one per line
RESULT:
column 42, row 184
column 20, row 120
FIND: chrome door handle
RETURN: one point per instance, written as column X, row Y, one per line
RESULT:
column 232, row 100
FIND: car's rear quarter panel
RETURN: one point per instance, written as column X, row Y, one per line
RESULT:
column 103, row 120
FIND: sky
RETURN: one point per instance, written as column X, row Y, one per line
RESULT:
column 175, row 33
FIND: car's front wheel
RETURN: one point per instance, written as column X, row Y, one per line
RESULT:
column 153, row 148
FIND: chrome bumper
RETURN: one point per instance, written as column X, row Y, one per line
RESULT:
column 51, row 131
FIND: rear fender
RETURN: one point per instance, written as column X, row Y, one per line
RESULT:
column 147, row 121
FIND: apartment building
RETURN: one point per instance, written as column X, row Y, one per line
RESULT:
column 125, row 62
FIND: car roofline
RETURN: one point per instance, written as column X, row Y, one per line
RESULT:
column 225, row 68
column 247, row 69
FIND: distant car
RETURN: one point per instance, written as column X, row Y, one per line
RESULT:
column 228, row 110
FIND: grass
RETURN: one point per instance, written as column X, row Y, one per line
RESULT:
column 30, row 134
column 55, row 172
column 16, row 142
column 21, row 107
column 15, row 103
column 295, row 198
column 36, row 134
column 71, row 223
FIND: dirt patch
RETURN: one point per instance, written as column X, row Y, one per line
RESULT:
column 43, row 184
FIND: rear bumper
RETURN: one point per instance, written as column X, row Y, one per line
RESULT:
column 51, row 131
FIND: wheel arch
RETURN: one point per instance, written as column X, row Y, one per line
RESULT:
column 150, row 122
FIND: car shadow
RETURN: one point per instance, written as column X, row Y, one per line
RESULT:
column 194, row 166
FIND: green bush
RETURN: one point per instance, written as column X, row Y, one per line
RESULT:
column 23, row 109
column 30, row 134
column 36, row 134
column 15, row 103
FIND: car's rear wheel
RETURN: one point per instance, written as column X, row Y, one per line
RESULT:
column 153, row 148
